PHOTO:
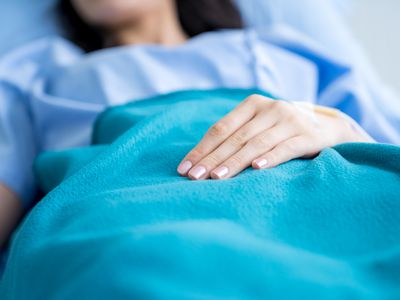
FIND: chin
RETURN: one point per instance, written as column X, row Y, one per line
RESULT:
column 110, row 13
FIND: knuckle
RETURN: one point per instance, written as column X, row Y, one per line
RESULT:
column 219, row 129
column 295, row 119
column 211, row 160
column 238, row 139
column 288, row 148
column 255, row 99
column 236, row 161
column 259, row 143
column 281, row 106
column 196, row 154
column 248, row 100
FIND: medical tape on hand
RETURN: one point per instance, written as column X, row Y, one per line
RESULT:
column 312, row 109
column 308, row 109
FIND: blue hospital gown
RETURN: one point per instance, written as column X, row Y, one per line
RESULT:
column 51, row 92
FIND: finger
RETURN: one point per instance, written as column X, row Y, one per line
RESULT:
column 260, row 144
column 296, row 147
column 232, row 145
column 218, row 133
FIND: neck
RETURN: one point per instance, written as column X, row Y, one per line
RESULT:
column 156, row 27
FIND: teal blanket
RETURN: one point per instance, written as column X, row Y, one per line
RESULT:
column 119, row 223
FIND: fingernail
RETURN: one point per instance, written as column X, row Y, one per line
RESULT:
column 197, row 172
column 260, row 163
column 184, row 167
column 220, row 172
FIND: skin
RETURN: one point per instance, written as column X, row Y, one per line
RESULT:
column 10, row 213
column 264, row 133
column 129, row 22
column 260, row 132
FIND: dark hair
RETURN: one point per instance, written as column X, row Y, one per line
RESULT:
column 196, row 17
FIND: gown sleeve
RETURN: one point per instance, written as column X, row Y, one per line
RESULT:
column 19, row 136
column 17, row 143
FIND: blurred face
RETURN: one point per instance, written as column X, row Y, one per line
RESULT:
column 112, row 13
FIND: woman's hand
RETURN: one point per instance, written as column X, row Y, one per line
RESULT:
column 263, row 133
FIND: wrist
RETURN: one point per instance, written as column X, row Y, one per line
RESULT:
column 342, row 126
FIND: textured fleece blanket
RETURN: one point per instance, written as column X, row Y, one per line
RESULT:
column 119, row 223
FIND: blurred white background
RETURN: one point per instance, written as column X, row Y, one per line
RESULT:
column 376, row 24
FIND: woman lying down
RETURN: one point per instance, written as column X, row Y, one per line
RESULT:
column 139, row 49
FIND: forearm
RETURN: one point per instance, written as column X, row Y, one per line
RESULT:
column 10, row 213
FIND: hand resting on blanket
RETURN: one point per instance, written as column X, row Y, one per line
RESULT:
column 263, row 133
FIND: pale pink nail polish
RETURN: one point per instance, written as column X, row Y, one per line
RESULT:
column 221, row 172
column 184, row 167
column 261, row 163
column 197, row 172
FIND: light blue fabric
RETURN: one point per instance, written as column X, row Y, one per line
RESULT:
column 51, row 93
column 325, row 26
column 123, row 224
column 22, row 21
